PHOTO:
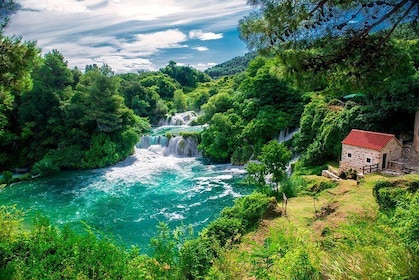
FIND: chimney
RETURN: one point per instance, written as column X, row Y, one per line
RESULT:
column 416, row 133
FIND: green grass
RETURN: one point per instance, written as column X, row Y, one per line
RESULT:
column 338, row 234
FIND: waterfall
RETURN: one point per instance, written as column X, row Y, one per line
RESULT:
column 184, row 118
column 181, row 146
column 285, row 134
column 176, row 146
column 149, row 140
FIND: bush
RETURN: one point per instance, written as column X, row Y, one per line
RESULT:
column 387, row 194
column 7, row 176
column 45, row 167
column 225, row 230
column 249, row 209
column 102, row 152
column 196, row 258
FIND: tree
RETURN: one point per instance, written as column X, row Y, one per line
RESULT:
column 40, row 114
column 103, row 108
column 289, row 22
column 7, row 7
column 221, row 138
column 351, row 32
column 275, row 156
column 17, row 59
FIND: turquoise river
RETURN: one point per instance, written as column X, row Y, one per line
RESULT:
column 128, row 200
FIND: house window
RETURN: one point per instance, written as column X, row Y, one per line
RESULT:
column 368, row 160
column 349, row 155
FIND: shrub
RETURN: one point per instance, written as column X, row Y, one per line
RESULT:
column 102, row 152
column 387, row 194
column 7, row 176
column 196, row 258
column 45, row 167
column 250, row 209
column 225, row 230
column 10, row 218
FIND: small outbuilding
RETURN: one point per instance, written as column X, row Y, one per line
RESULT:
column 367, row 151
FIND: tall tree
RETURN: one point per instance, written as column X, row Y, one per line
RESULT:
column 17, row 59
column 355, row 30
column 40, row 114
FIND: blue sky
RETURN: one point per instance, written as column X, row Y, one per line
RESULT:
column 132, row 35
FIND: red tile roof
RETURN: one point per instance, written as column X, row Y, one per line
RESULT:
column 367, row 139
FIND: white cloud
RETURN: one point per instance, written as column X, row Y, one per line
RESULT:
column 200, row 48
column 151, row 43
column 122, row 64
column 62, row 6
column 150, row 33
column 204, row 36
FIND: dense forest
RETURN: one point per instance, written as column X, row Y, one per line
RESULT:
column 231, row 67
column 342, row 76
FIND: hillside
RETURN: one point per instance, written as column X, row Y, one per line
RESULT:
column 233, row 66
column 341, row 234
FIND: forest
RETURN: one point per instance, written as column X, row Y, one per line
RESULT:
column 362, row 76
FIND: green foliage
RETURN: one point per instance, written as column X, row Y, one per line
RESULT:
column 406, row 219
column 389, row 194
column 226, row 230
column 10, row 218
column 242, row 154
column 321, row 136
column 256, row 173
column 275, row 156
column 179, row 101
column 7, row 7
column 196, row 257
column 102, row 152
column 399, row 201
column 264, row 104
column 233, row 66
column 185, row 75
column 221, row 138
column 165, row 252
column 45, row 167
column 366, row 248
column 7, row 176
column 17, row 60
column 50, row 254
column 323, row 39
column 249, row 209
column 283, row 256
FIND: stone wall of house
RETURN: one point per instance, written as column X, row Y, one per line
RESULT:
column 394, row 151
column 357, row 157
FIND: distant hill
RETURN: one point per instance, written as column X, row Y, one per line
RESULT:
column 231, row 67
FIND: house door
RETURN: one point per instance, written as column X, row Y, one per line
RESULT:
column 384, row 164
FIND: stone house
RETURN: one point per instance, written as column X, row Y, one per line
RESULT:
column 367, row 151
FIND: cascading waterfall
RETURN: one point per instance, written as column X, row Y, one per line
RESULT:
column 150, row 140
column 285, row 134
column 185, row 118
column 181, row 146
column 184, row 146
column 176, row 146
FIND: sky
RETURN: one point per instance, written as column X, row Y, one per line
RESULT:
column 133, row 35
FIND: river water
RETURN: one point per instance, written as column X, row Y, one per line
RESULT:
column 128, row 200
